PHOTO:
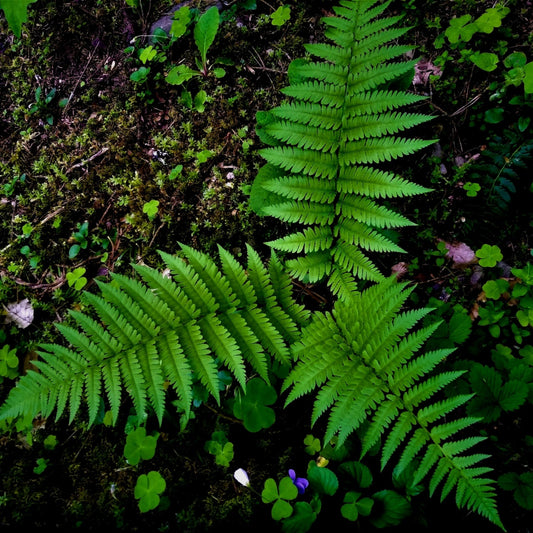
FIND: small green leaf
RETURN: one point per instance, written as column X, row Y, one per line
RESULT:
column 489, row 255
column 509, row 481
column 41, row 466
column 486, row 61
column 281, row 509
column 494, row 116
column 313, row 445
column 180, row 21
column 495, row 288
column 287, row 489
column 150, row 208
column 528, row 78
column 524, row 492
column 140, row 75
column 359, row 471
column 301, row 520
column 147, row 54
column 16, row 12
column 270, row 491
column 515, row 59
column 75, row 278
column 394, row 508
column 281, row 15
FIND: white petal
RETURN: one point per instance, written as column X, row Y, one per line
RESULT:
column 242, row 477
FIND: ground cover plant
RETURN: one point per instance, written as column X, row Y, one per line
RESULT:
column 285, row 294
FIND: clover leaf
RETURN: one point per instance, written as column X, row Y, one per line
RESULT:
column 312, row 444
column 9, row 363
column 281, row 15
column 76, row 278
column 279, row 494
column 251, row 407
column 489, row 255
column 148, row 489
column 150, row 208
column 220, row 447
column 354, row 506
column 139, row 446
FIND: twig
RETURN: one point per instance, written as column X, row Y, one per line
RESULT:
column 94, row 156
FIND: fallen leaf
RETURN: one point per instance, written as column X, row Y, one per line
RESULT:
column 461, row 254
column 21, row 313
column 423, row 70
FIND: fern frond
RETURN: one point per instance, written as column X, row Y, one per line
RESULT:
column 165, row 330
column 363, row 363
column 340, row 122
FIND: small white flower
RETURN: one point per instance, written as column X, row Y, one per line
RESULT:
column 242, row 477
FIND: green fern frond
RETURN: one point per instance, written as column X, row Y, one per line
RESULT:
column 165, row 330
column 363, row 363
column 341, row 120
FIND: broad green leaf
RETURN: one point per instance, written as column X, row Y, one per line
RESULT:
column 301, row 519
column 16, row 12
column 205, row 31
column 485, row 60
column 528, row 78
column 394, row 508
column 322, row 480
column 180, row 74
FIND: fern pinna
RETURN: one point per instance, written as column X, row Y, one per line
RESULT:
column 165, row 331
column 341, row 120
column 362, row 358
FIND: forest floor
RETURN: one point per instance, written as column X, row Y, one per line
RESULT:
column 103, row 163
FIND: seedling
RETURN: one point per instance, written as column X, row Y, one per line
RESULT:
column 354, row 505
column 41, row 466
column 471, row 188
column 80, row 238
column 313, row 445
column 204, row 34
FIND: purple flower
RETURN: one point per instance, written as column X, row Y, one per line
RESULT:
column 300, row 482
